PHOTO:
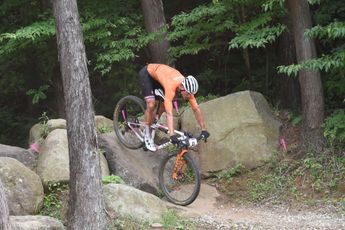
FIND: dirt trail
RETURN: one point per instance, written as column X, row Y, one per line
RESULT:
column 212, row 211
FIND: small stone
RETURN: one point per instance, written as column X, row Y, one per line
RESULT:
column 157, row 225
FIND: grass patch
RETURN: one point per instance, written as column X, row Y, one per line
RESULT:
column 170, row 220
column 173, row 221
column 315, row 177
column 52, row 203
column 128, row 223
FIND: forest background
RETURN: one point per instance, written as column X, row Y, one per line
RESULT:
column 229, row 45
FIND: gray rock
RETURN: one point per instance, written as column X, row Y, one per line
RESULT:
column 242, row 127
column 23, row 187
column 35, row 223
column 136, row 167
column 53, row 161
column 35, row 135
column 27, row 157
column 128, row 201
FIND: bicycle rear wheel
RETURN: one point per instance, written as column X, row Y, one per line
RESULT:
column 185, row 187
column 128, row 121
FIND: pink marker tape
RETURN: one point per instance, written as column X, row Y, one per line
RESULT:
column 176, row 106
column 283, row 143
column 34, row 147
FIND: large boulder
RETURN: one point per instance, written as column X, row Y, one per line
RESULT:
column 53, row 161
column 242, row 127
column 127, row 201
column 27, row 157
column 103, row 124
column 35, row 223
column 36, row 131
column 136, row 167
column 23, row 187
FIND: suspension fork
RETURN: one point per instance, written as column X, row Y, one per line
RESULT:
column 177, row 163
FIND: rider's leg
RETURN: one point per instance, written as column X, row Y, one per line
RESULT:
column 150, row 111
column 147, row 89
column 160, row 111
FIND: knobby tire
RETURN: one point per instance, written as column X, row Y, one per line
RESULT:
column 181, row 191
column 134, row 109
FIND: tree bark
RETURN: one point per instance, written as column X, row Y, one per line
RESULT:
column 310, row 81
column 58, row 96
column 4, row 212
column 86, row 205
column 154, row 20
column 288, row 87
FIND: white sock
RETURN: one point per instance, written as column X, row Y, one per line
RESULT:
column 147, row 130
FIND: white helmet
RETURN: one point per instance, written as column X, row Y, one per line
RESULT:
column 190, row 84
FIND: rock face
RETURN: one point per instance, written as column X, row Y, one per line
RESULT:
column 35, row 223
column 35, row 135
column 103, row 124
column 242, row 127
column 128, row 201
column 136, row 167
column 25, row 156
column 23, row 187
column 53, row 161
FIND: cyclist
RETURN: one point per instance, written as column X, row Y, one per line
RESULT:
column 170, row 80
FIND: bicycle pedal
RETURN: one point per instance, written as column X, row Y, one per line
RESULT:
column 145, row 149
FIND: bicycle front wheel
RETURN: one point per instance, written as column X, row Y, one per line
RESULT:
column 179, row 179
column 129, row 121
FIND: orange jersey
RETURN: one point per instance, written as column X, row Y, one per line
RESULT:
column 170, row 79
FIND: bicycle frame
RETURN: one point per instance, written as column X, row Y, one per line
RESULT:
column 155, row 126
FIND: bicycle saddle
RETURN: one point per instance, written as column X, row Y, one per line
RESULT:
column 160, row 93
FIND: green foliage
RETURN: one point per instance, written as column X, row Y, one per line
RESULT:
column 207, row 26
column 257, row 38
column 284, row 179
column 44, row 128
column 325, row 63
column 12, row 43
column 296, row 120
column 38, row 94
column 335, row 60
column 333, row 31
column 229, row 173
column 112, row 179
column 199, row 29
column 334, row 129
column 128, row 223
column 270, row 5
column 52, row 203
column 104, row 129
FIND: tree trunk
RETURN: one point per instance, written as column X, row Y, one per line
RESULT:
column 59, row 98
column 288, row 87
column 86, row 205
column 154, row 20
column 4, row 213
column 310, row 81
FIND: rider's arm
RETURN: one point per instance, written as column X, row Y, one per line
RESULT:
column 169, row 112
column 197, row 112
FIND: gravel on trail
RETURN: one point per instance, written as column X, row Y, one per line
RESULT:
column 210, row 212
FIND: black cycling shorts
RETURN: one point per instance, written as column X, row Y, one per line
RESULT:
column 148, row 84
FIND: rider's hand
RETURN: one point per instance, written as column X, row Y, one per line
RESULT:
column 204, row 135
column 174, row 140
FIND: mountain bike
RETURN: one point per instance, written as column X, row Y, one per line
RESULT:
column 179, row 176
